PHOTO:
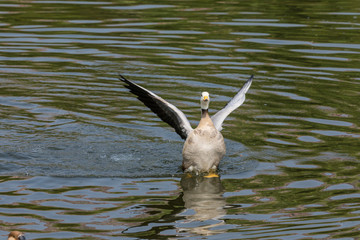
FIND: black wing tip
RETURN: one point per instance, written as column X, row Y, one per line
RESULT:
column 249, row 81
column 128, row 84
column 251, row 77
column 122, row 78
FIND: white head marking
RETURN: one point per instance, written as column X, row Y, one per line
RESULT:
column 205, row 100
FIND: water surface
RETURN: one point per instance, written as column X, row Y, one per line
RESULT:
column 82, row 158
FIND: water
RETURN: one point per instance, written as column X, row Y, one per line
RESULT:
column 82, row 158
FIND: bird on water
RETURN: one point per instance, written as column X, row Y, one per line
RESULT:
column 204, row 146
column 16, row 235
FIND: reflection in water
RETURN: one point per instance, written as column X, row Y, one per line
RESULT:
column 263, row 206
column 204, row 197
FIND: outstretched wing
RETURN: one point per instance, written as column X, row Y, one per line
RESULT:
column 166, row 111
column 234, row 103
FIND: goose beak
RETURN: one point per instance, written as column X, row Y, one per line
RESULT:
column 206, row 98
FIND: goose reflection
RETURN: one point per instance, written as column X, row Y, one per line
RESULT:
column 204, row 204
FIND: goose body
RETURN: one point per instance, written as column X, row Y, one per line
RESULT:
column 204, row 146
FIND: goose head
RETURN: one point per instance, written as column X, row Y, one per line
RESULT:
column 16, row 235
column 205, row 100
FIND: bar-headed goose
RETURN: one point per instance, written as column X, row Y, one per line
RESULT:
column 16, row 235
column 204, row 146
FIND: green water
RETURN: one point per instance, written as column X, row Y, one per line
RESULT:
column 82, row 158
